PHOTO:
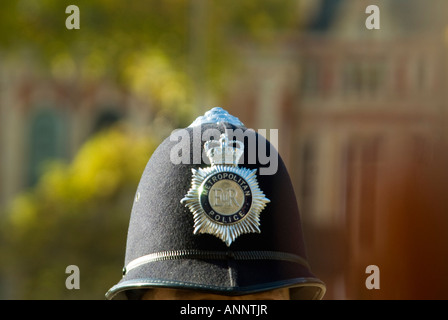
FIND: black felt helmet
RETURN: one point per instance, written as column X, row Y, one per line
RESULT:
column 215, row 211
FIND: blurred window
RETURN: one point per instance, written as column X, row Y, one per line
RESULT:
column 363, row 78
column 310, row 77
column 105, row 119
column 46, row 141
column 423, row 74
column 362, row 170
column 308, row 174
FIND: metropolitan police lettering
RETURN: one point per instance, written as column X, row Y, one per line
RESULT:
column 225, row 199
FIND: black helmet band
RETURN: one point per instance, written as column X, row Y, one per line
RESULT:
column 215, row 255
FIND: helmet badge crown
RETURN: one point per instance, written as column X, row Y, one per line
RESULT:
column 223, row 151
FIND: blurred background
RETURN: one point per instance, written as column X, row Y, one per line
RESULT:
column 361, row 116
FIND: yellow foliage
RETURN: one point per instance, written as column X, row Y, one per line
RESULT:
column 25, row 211
column 153, row 76
column 76, row 214
column 103, row 164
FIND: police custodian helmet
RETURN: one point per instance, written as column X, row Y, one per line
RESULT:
column 206, row 218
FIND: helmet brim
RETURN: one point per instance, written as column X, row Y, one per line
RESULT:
column 229, row 278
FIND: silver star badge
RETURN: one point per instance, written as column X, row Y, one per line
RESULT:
column 225, row 199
